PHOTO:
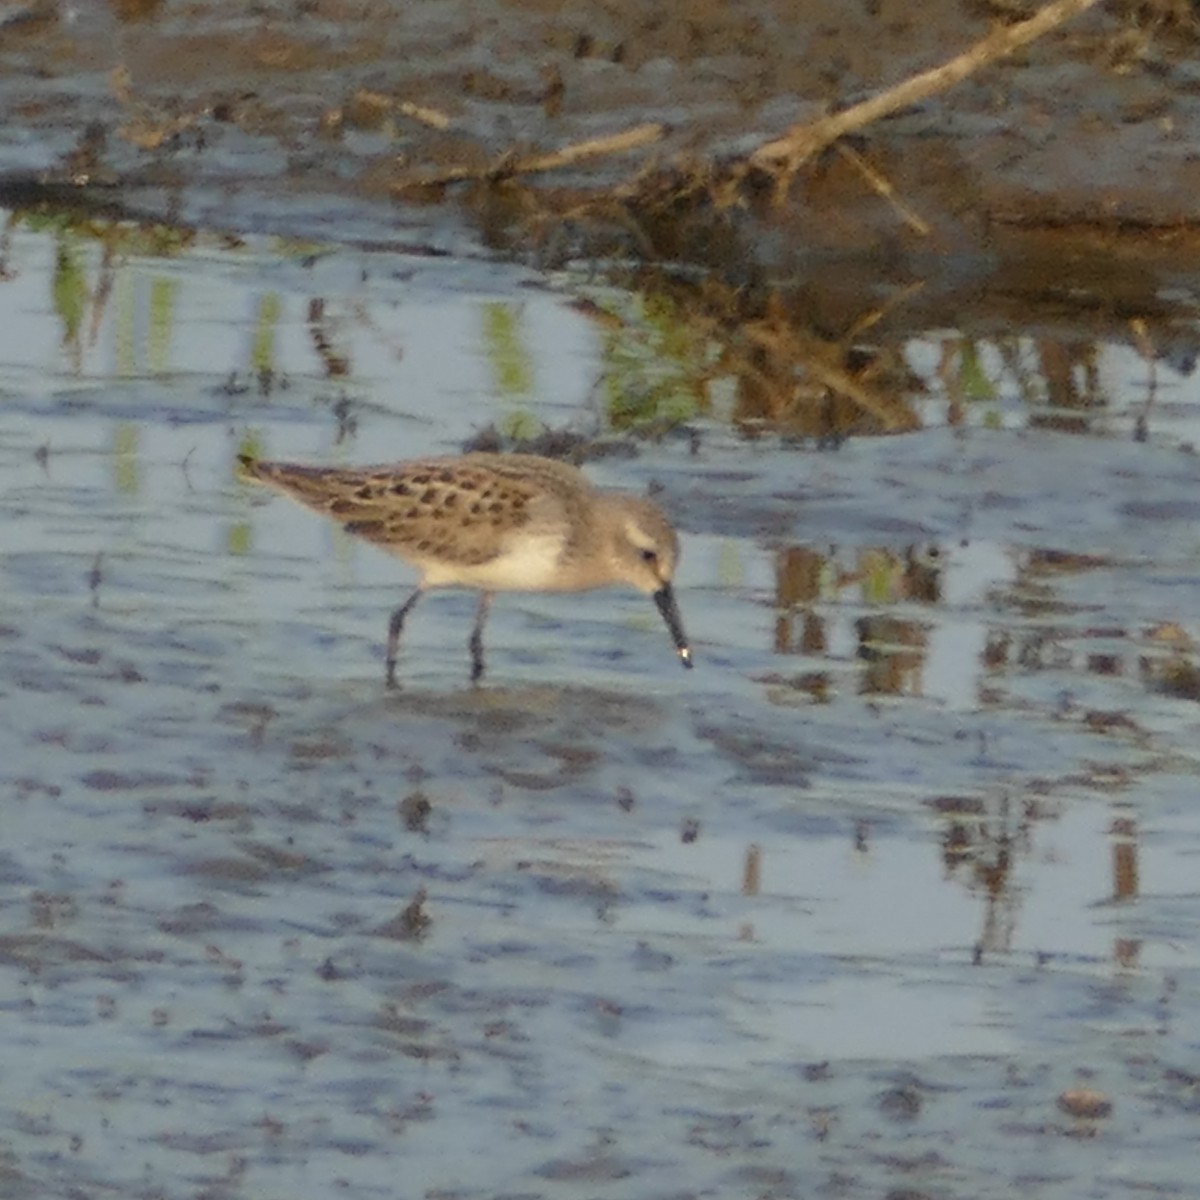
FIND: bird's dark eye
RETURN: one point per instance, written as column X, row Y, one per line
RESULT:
column 649, row 556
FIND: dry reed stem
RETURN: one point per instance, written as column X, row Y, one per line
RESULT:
column 783, row 156
column 883, row 187
column 433, row 117
column 511, row 164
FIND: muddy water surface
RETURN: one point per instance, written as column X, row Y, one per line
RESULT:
column 907, row 856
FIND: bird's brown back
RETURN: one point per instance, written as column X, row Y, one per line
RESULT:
column 460, row 510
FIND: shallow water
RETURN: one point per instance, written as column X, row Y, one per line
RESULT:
column 847, row 907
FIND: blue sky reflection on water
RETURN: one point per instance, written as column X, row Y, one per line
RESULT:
column 950, row 819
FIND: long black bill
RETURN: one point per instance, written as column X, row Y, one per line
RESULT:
column 665, row 599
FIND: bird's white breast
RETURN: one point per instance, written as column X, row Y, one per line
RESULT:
column 530, row 563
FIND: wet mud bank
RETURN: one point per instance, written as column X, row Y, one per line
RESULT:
column 1055, row 185
column 1089, row 126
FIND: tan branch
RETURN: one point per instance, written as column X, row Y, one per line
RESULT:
column 613, row 143
column 510, row 164
column 883, row 186
column 784, row 155
column 432, row 117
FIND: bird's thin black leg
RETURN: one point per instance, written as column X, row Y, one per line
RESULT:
column 395, row 625
column 485, row 604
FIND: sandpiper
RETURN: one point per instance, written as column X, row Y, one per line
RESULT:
column 494, row 522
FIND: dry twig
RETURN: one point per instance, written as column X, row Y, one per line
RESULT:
column 883, row 186
column 784, row 156
column 433, row 117
column 509, row 165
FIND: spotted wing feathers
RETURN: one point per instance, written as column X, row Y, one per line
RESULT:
column 419, row 510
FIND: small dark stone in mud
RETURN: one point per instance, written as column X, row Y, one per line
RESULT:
column 608, row 1015
column 646, row 958
column 24, row 788
column 95, row 578
column 318, row 749
column 116, row 781
column 196, row 813
column 1185, row 1078
column 85, row 657
column 307, row 1051
column 414, row 812
column 410, row 924
column 956, row 805
column 584, row 886
column 901, row 1104
column 1109, row 722
column 190, row 920
column 1085, row 1102
column 862, row 836
column 49, row 910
